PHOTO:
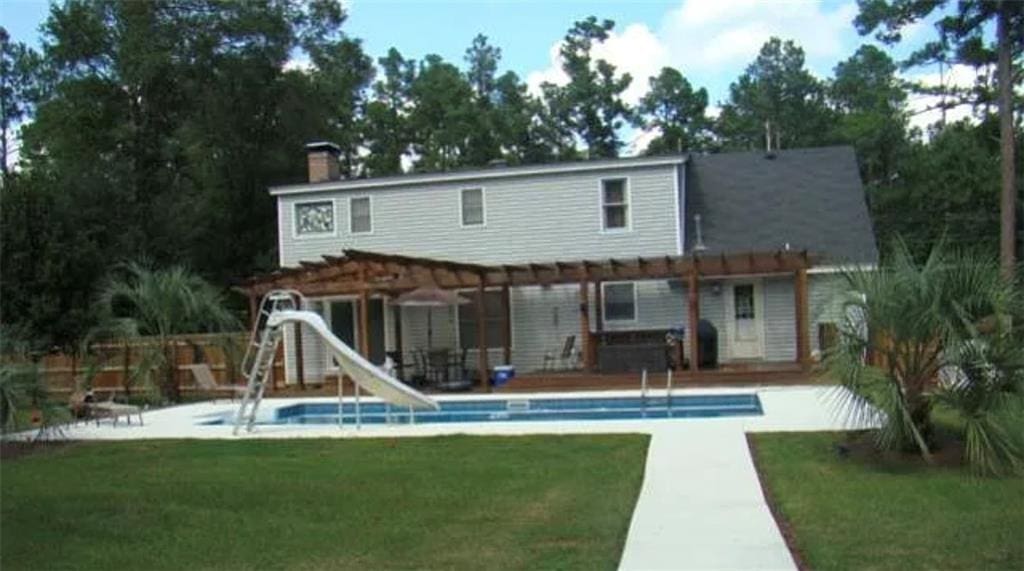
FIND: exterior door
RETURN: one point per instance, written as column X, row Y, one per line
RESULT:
column 746, row 320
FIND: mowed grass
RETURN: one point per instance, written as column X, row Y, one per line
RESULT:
column 417, row 503
column 879, row 513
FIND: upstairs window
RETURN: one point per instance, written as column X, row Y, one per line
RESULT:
column 313, row 218
column 472, row 201
column 619, row 301
column 614, row 204
column 360, row 215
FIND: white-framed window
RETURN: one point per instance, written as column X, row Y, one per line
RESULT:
column 471, row 204
column 360, row 215
column 314, row 218
column 619, row 301
column 614, row 204
column 493, row 321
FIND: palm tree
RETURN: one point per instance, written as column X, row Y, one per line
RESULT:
column 139, row 301
column 943, row 333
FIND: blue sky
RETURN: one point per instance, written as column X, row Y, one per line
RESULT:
column 710, row 41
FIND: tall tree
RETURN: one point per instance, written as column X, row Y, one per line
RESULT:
column 870, row 101
column 590, row 104
column 525, row 131
column 442, row 116
column 156, row 130
column 17, row 90
column 387, row 129
column 962, row 38
column 483, row 144
column 776, row 97
column 677, row 112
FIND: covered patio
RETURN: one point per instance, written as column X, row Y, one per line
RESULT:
column 365, row 275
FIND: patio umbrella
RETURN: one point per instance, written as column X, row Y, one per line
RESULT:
column 429, row 297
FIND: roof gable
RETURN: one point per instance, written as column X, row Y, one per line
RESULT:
column 809, row 199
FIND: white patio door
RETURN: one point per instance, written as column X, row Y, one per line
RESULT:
column 745, row 320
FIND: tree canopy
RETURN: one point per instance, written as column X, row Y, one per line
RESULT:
column 151, row 130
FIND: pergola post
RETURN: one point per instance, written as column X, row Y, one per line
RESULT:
column 254, row 317
column 481, row 338
column 599, row 307
column 803, row 352
column 364, row 314
column 300, row 368
column 586, row 341
column 693, row 318
column 506, row 324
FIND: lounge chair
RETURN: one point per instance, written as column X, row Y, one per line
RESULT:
column 204, row 380
column 114, row 410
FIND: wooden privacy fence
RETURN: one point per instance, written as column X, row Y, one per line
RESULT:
column 111, row 365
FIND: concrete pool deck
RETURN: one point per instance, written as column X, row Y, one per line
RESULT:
column 700, row 505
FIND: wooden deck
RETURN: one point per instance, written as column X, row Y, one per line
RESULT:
column 760, row 374
column 787, row 374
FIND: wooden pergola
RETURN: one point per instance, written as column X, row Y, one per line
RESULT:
column 361, row 274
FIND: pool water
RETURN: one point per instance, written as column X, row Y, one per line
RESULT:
column 526, row 410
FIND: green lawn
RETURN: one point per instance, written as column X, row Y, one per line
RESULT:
column 875, row 513
column 449, row 502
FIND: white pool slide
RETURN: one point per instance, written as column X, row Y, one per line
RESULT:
column 361, row 371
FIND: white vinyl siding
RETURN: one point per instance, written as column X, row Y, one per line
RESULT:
column 615, row 204
column 360, row 217
column 537, row 218
column 471, row 201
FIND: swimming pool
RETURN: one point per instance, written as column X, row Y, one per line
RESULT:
column 524, row 410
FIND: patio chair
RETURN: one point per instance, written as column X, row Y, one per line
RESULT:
column 566, row 359
column 438, row 363
column 203, row 376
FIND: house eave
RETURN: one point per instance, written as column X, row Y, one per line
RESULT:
column 475, row 175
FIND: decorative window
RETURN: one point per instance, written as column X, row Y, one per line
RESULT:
column 492, row 320
column 314, row 218
column 615, row 204
column 472, row 201
column 360, row 215
column 619, row 301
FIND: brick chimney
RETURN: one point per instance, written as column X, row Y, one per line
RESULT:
column 322, row 158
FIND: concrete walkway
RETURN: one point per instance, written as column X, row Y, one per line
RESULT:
column 701, row 506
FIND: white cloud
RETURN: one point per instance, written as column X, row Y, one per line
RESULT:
column 711, row 42
column 636, row 51
column 704, row 36
column 921, row 106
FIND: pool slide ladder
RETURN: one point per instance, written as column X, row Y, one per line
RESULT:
column 280, row 307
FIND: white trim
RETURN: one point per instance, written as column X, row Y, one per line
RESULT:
column 627, row 194
column 679, row 203
column 280, row 233
column 483, row 208
column 295, row 219
column 840, row 269
column 482, row 174
column 372, row 225
column 604, row 302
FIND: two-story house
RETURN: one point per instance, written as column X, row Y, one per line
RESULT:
column 575, row 254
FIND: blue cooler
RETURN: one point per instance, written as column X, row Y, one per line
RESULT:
column 503, row 374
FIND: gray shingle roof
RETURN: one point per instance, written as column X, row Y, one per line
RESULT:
column 809, row 198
